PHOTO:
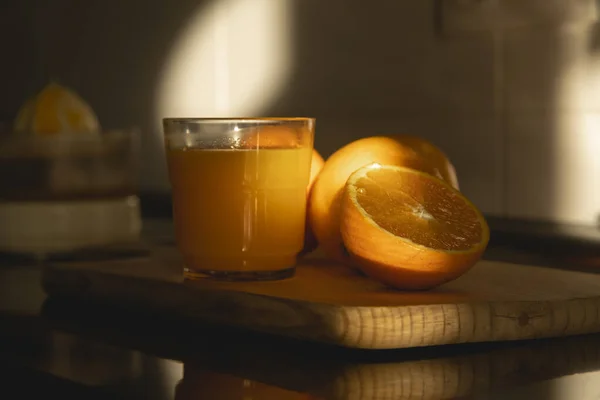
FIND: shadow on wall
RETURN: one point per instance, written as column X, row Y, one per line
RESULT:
column 111, row 53
column 360, row 70
column 357, row 69
column 17, row 39
column 375, row 70
column 491, row 104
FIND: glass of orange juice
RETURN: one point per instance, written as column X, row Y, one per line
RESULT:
column 239, row 194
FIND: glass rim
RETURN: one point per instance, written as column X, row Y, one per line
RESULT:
column 256, row 120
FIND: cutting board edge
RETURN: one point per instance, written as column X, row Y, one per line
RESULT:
column 363, row 327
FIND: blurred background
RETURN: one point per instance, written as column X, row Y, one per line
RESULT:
column 509, row 89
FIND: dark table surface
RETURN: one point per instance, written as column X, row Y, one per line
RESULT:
column 67, row 349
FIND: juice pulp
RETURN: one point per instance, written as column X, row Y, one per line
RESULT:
column 239, row 210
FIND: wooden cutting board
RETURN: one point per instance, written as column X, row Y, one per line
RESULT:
column 328, row 303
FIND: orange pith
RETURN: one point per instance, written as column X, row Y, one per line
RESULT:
column 409, row 229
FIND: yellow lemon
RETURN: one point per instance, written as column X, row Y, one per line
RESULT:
column 55, row 110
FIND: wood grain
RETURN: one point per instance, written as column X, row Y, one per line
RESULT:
column 458, row 376
column 464, row 376
column 329, row 372
column 328, row 303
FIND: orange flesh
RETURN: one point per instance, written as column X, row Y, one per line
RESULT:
column 419, row 208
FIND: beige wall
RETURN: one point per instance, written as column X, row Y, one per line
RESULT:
column 511, row 95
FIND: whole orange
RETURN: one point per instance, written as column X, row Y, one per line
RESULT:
column 316, row 165
column 401, row 150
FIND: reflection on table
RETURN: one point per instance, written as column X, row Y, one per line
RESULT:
column 244, row 365
column 199, row 383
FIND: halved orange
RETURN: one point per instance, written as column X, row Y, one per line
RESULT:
column 409, row 229
column 403, row 150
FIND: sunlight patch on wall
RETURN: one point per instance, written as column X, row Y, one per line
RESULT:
column 576, row 131
column 232, row 59
column 575, row 192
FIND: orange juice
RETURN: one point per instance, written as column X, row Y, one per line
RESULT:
column 239, row 209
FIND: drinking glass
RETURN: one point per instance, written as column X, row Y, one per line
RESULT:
column 239, row 190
